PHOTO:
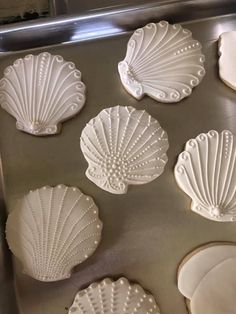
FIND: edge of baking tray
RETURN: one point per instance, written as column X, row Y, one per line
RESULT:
column 61, row 29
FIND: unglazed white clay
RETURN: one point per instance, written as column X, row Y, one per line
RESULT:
column 227, row 61
column 214, row 280
column 199, row 263
column 123, row 146
column 53, row 230
column 216, row 292
column 206, row 171
column 162, row 61
column 41, row 91
column 116, row 297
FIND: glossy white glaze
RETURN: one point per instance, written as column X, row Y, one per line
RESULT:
column 41, row 91
column 52, row 230
column 206, row 171
column 114, row 297
column 162, row 61
column 123, row 146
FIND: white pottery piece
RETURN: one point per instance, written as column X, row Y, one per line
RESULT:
column 123, row 146
column 198, row 263
column 162, row 61
column 41, row 91
column 227, row 62
column 116, row 297
column 208, row 279
column 53, row 229
column 206, row 171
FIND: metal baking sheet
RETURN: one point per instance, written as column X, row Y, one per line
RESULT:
column 149, row 230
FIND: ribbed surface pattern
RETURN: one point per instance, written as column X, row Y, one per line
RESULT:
column 41, row 91
column 53, row 230
column 206, row 171
column 118, row 297
column 123, row 146
column 162, row 61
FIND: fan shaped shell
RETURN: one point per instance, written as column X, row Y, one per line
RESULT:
column 116, row 297
column 206, row 171
column 41, row 91
column 123, row 146
column 54, row 229
column 162, row 61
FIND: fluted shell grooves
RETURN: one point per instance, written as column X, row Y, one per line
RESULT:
column 162, row 61
column 123, row 146
column 53, row 229
column 206, row 171
column 41, row 91
column 114, row 297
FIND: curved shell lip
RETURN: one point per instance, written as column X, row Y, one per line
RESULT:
column 200, row 207
column 120, row 281
column 118, row 183
column 140, row 91
column 28, row 122
column 105, row 186
column 135, row 92
column 131, row 69
column 125, row 184
column 69, row 269
column 202, row 210
column 47, row 278
column 49, row 129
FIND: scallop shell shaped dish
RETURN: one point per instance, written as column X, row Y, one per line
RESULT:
column 116, row 297
column 123, row 146
column 54, row 229
column 162, row 61
column 41, row 91
column 206, row 171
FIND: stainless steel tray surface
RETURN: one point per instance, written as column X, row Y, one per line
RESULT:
column 76, row 24
column 149, row 230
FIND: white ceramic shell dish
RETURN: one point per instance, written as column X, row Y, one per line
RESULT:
column 52, row 230
column 41, row 91
column 123, row 146
column 114, row 297
column 162, row 61
column 227, row 62
column 207, row 278
column 206, row 171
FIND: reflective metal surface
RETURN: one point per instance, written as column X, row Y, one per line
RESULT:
column 104, row 22
column 146, row 232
